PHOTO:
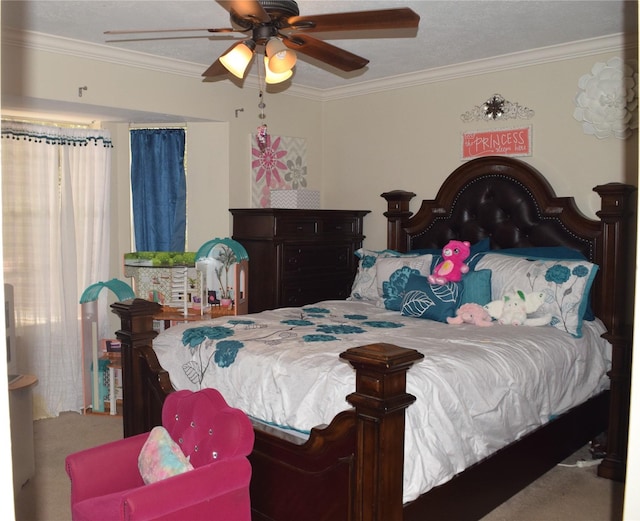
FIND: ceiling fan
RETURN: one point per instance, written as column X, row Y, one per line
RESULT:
column 276, row 29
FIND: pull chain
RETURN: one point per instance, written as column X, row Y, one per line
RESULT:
column 262, row 136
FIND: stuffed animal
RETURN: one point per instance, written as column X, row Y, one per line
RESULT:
column 514, row 311
column 452, row 266
column 533, row 301
column 471, row 314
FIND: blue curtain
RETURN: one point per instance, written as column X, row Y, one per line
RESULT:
column 158, row 189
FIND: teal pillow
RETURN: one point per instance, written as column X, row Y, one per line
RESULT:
column 431, row 301
column 476, row 287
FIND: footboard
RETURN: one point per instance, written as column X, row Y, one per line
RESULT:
column 351, row 469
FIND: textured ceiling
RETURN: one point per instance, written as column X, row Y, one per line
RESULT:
column 450, row 32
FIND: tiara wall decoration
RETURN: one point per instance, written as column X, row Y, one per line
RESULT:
column 607, row 100
column 497, row 108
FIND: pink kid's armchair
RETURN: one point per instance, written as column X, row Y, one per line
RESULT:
column 106, row 481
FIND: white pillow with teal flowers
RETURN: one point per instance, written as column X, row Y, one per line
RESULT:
column 565, row 284
column 393, row 274
column 365, row 285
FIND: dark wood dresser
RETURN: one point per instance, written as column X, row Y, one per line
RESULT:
column 298, row 257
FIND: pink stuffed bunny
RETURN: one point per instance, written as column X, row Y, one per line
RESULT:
column 471, row 314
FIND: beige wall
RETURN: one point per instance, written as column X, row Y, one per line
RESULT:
column 411, row 139
column 218, row 141
column 357, row 146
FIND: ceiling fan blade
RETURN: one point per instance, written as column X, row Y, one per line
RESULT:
column 163, row 38
column 246, row 9
column 145, row 31
column 401, row 18
column 323, row 51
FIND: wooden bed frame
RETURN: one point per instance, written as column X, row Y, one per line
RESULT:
column 353, row 468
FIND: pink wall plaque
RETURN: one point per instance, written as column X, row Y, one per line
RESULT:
column 503, row 142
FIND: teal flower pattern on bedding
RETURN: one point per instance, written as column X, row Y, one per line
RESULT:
column 226, row 352
column 382, row 324
column 194, row 336
column 339, row 329
column 212, row 346
column 297, row 322
column 316, row 310
column 319, row 338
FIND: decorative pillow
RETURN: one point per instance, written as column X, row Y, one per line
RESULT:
column 565, row 283
column 392, row 275
column 161, row 457
column 365, row 285
column 476, row 287
column 551, row 252
column 432, row 301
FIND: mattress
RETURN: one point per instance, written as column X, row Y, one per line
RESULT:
column 477, row 388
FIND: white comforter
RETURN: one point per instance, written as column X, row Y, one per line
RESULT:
column 477, row 388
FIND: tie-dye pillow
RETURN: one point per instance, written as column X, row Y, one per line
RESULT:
column 161, row 457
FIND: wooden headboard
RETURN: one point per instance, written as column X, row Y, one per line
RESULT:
column 511, row 203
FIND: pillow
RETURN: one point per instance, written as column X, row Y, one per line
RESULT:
column 431, row 301
column 161, row 457
column 365, row 284
column 476, row 287
column 551, row 252
column 392, row 275
column 544, row 252
column 565, row 283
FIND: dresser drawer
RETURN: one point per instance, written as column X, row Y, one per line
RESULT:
column 316, row 258
column 299, row 228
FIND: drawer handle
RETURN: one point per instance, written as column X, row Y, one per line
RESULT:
column 299, row 228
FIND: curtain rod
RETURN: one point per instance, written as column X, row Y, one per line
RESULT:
column 39, row 121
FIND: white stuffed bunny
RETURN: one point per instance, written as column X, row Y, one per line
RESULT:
column 515, row 307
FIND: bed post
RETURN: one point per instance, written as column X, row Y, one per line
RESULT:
column 136, row 318
column 397, row 213
column 380, row 401
column 616, row 249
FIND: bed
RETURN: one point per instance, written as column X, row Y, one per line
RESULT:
column 352, row 465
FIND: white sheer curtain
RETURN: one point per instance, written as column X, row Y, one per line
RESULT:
column 55, row 189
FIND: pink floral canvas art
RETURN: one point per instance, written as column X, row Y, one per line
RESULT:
column 277, row 163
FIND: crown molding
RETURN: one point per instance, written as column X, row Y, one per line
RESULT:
column 554, row 53
column 66, row 46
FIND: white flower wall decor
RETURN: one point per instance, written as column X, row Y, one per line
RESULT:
column 607, row 100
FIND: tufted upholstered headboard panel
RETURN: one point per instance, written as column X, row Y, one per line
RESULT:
column 504, row 199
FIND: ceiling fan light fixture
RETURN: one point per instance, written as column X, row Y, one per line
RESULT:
column 238, row 59
column 280, row 58
column 271, row 77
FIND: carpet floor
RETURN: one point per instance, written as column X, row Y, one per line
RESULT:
column 565, row 493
